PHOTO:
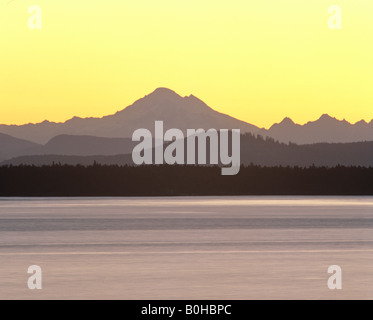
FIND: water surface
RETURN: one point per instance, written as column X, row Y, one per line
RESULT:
column 187, row 248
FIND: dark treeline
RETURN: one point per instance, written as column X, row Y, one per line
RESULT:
column 99, row 180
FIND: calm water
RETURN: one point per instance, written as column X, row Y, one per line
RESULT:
column 187, row 248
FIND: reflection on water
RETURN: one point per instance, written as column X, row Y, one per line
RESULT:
column 187, row 248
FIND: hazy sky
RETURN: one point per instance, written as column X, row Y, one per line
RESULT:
column 256, row 60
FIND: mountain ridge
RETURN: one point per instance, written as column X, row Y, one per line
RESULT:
column 326, row 129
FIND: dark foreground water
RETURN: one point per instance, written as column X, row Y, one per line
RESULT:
column 187, row 248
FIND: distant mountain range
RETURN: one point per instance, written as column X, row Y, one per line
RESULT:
column 107, row 140
column 325, row 129
column 188, row 113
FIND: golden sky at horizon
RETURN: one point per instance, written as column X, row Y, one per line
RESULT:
column 259, row 61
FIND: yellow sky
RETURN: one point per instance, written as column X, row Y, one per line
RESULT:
column 255, row 60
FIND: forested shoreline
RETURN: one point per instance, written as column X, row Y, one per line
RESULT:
column 105, row 180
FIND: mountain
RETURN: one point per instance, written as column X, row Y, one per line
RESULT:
column 11, row 147
column 163, row 104
column 187, row 113
column 325, row 129
column 254, row 150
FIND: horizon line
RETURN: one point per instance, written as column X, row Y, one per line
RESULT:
column 369, row 121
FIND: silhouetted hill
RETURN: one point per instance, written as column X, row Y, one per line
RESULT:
column 84, row 146
column 11, row 147
column 268, row 152
column 65, row 145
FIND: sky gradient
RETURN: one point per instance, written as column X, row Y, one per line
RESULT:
column 258, row 61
